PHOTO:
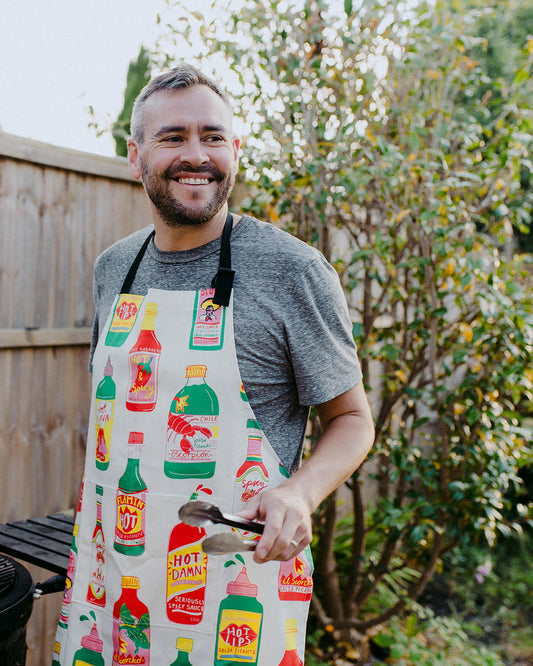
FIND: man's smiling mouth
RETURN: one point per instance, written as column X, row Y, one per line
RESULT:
column 193, row 181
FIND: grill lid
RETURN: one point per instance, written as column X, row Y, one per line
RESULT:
column 7, row 576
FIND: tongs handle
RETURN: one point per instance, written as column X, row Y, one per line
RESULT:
column 242, row 523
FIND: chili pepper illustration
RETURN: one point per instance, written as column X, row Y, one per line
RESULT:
column 179, row 426
column 144, row 372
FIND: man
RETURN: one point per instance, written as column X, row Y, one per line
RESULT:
column 214, row 410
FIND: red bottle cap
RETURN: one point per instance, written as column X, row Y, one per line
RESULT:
column 92, row 641
column 242, row 586
column 136, row 438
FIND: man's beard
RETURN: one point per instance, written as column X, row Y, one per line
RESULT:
column 176, row 213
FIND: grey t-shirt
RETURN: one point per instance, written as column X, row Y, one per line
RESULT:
column 293, row 334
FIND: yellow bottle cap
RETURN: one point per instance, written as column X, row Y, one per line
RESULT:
column 131, row 582
column 290, row 624
column 196, row 371
column 184, row 644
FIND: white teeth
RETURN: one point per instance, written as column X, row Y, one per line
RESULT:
column 194, row 181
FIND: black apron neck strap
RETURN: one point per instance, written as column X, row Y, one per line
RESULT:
column 128, row 281
column 223, row 280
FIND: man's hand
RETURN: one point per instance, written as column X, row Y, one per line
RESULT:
column 287, row 519
column 347, row 436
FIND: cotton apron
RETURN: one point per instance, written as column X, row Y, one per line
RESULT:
column 170, row 421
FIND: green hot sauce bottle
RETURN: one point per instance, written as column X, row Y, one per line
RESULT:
column 192, row 431
column 184, row 646
column 131, row 502
column 240, row 619
column 90, row 653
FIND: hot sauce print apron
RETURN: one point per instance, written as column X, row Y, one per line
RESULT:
column 170, row 422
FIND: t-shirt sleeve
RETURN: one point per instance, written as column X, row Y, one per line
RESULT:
column 323, row 352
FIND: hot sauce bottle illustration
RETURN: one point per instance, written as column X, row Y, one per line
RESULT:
column 124, row 317
column 96, row 589
column 295, row 580
column 104, row 411
column 207, row 330
column 131, row 502
column 144, row 363
column 184, row 647
column 131, row 626
column 240, row 620
column 71, row 570
column 186, row 571
column 252, row 475
column 291, row 656
column 192, row 431
column 90, row 653
column 57, row 654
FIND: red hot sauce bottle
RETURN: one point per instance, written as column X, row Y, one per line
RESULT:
column 186, row 572
column 131, row 626
column 144, row 363
column 96, row 589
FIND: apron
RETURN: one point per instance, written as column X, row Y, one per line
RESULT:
column 170, row 422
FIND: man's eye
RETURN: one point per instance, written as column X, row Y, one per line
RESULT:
column 215, row 138
column 173, row 139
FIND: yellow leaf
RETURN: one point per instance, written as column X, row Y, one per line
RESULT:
column 530, row 45
column 402, row 214
column 401, row 375
column 442, row 209
column 370, row 136
column 272, row 214
column 467, row 332
column 449, row 268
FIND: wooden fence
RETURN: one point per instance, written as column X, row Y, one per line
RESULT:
column 59, row 209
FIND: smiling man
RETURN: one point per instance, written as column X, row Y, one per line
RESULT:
column 212, row 408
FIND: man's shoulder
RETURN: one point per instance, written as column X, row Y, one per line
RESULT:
column 269, row 240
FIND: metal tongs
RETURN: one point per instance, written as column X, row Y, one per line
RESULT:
column 200, row 513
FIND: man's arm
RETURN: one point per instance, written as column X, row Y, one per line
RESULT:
column 347, row 436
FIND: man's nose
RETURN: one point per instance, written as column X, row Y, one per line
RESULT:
column 193, row 152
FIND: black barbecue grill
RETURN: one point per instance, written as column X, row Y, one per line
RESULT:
column 44, row 542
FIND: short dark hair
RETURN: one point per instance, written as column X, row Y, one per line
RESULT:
column 180, row 77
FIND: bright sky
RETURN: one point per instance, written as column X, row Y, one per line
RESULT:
column 58, row 57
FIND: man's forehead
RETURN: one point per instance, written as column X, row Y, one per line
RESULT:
column 198, row 103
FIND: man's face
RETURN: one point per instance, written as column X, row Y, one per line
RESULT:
column 189, row 157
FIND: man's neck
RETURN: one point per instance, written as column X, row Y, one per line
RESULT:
column 188, row 236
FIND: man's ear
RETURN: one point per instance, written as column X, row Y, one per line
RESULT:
column 133, row 158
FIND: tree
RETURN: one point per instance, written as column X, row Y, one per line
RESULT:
column 139, row 72
column 361, row 144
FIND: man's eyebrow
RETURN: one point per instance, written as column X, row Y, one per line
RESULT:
column 180, row 129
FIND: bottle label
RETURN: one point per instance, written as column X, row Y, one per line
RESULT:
column 96, row 591
column 131, row 638
column 67, row 595
column 104, row 427
column 238, row 636
column 130, row 524
column 124, row 317
column 191, row 438
column 208, row 322
column 143, row 379
column 186, row 575
column 251, row 482
column 295, row 582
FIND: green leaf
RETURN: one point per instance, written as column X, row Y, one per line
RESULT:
column 348, row 7
column 384, row 640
